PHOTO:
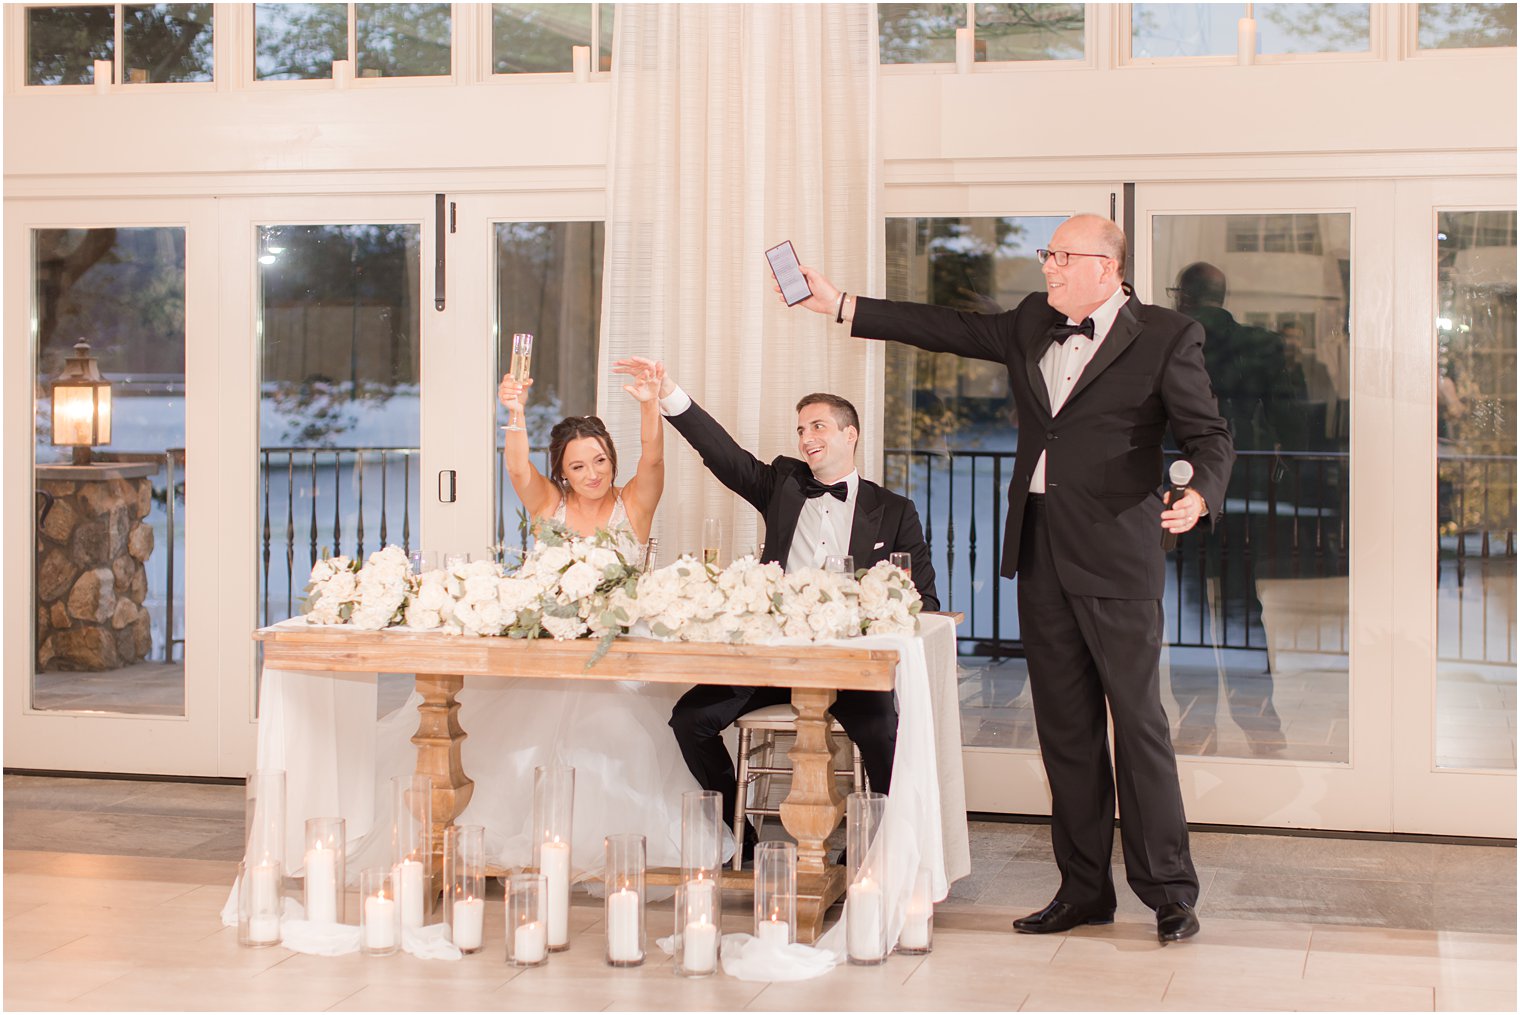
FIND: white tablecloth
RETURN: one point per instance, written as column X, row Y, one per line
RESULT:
column 320, row 727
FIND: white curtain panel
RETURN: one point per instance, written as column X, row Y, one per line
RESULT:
column 738, row 126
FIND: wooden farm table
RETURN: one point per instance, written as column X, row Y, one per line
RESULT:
column 815, row 673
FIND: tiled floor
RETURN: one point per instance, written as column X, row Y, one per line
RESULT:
column 113, row 891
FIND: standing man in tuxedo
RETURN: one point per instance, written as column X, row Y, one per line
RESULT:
column 815, row 506
column 1097, row 376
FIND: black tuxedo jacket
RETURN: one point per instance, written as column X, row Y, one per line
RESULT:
column 884, row 523
column 1103, row 474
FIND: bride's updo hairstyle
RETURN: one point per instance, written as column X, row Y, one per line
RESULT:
column 573, row 428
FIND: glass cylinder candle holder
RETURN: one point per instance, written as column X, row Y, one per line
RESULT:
column 264, row 796
column 527, row 920
column 699, row 894
column 412, row 847
column 776, row 892
column 323, row 864
column 258, row 905
column 917, row 937
column 697, row 927
column 553, row 807
column 625, row 900
column 464, row 885
column 864, row 907
column 379, row 912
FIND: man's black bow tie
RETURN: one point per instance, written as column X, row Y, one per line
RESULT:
column 1061, row 332
column 812, row 488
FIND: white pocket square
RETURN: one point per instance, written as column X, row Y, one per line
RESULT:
column 878, row 546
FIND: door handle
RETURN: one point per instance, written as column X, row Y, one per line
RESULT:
column 440, row 236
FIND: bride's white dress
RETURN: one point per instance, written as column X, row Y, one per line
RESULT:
column 629, row 774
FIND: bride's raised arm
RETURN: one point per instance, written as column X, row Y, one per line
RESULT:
column 538, row 495
column 642, row 494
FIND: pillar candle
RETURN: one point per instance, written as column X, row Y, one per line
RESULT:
column 915, row 932
column 863, row 917
column 263, row 930
column 410, row 890
column 469, row 923
column 555, row 860
column 1245, row 51
column 623, row 926
column 264, row 893
column 699, row 947
column 102, row 76
column 699, row 900
column 379, row 923
column 965, row 50
column 528, row 943
column 580, row 60
column 774, row 931
column 321, row 884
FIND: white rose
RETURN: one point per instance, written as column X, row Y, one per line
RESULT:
column 480, row 588
column 553, row 558
column 564, row 628
column 579, row 581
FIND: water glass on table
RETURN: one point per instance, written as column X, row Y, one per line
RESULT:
column 839, row 564
column 904, row 561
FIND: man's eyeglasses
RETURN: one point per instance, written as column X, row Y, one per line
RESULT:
column 1061, row 256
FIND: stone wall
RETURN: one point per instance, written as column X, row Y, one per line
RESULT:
column 91, row 581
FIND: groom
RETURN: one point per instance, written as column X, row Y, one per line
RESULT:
column 815, row 505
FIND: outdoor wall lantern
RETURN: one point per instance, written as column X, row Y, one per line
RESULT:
column 81, row 404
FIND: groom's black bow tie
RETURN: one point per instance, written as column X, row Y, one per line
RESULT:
column 812, row 488
column 1061, row 332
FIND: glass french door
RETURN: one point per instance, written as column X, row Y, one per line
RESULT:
column 290, row 377
column 356, row 425
column 111, row 610
column 950, row 440
column 1340, row 649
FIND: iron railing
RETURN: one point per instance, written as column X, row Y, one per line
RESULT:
column 1286, row 516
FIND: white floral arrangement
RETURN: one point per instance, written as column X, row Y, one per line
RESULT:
column 571, row 587
column 369, row 597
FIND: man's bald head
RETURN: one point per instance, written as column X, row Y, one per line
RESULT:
column 1103, row 234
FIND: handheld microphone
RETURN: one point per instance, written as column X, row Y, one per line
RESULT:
column 1179, row 475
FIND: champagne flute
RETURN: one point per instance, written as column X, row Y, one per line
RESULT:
column 904, row 561
column 522, row 361
column 712, row 539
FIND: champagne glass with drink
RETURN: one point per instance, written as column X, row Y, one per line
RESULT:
column 522, row 362
column 712, row 539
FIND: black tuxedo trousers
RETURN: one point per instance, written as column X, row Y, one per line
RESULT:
column 1085, row 653
column 704, row 712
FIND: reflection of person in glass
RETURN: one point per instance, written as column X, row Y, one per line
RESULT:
column 581, row 490
column 1098, row 377
column 1261, row 396
column 1260, row 392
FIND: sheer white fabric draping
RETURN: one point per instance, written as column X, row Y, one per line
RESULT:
column 737, row 126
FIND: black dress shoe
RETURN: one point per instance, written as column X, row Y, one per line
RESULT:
column 1175, row 921
column 1059, row 916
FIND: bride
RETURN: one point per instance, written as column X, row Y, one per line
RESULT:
column 629, row 775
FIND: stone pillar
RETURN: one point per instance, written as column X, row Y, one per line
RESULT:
column 91, row 581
